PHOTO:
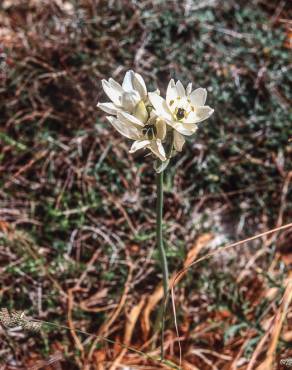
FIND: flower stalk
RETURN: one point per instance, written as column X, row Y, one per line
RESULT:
column 162, row 254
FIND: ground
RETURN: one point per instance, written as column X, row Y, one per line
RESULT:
column 77, row 211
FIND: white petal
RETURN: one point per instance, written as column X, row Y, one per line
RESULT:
column 192, row 117
column 183, row 128
column 129, row 100
column 115, row 85
column 111, row 92
column 160, row 128
column 156, row 148
column 128, row 81
column 171, row 123
column 161, row 149
column 188, row 128
column 199, row 115
column 171, row 85
column 129, row 131
column 204, row 112
column 157, row 91
column 182, row 103
column 180, row 89
column 108, row 107
column 139, row 144
column 179, row 141
column 128, row 119
column 198, row 97
column 189, row 88
column 139, row 85
column 171, row 93
column 159, row 105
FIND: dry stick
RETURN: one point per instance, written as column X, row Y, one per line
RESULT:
column 176, row 328
column 118, row 204
column 105, row 339
column 71, row 324
column 233, row 365
column 157, row 295
column 270, row 240
column 278, row 323
column 200, row 243
column 132, row 317
column 44, row 268
column 182, row 271
column 259, row 347
column 71, row 303
column 104, row 328
column 283, row 204
column 25, row 168
column 211, row 254
column 52, row 361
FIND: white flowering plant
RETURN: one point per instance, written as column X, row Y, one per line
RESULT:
column 151, row 121
column 159, row 125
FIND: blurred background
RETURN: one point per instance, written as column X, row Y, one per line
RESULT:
column 77, row 217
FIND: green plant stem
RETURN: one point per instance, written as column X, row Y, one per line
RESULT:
column 162, row 255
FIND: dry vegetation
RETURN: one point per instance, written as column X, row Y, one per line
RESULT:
column 77, row 243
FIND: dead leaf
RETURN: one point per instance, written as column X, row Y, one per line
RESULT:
column 287, row 336
column 268, row 364
column 132, row 318
column 157, row 295
column 4, row 226
column 99, row 357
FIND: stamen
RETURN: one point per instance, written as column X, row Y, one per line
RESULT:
column 149, row 131
column 180, row 113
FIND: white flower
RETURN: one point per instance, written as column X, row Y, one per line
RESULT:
column 133, row 117
column 182, row 109
column 145, row 135
column 124, row 97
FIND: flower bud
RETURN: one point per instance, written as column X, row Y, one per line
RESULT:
column 141, row 112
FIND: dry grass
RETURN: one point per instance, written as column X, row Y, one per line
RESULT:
column 77, row 224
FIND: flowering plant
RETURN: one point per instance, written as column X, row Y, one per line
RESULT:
column 156, row 124
column 153, row 122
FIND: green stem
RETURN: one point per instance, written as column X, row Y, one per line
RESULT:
column 162, row 255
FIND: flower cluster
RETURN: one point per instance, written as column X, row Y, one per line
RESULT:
column 151, row 121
